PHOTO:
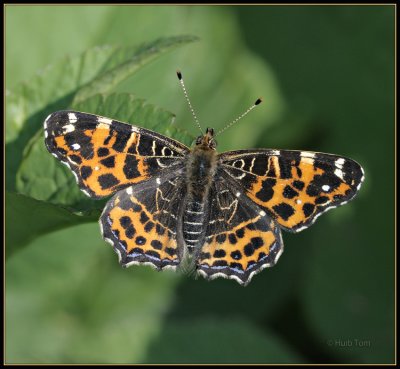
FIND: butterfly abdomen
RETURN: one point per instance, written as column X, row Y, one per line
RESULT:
column 200, row 171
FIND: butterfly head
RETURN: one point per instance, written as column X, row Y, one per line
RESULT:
column 207, row 140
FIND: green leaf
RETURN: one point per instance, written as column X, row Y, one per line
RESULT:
column 222, row 341
column 126, row 61
column 69, row 301
column 99, row 69
column 27, row 218
column 43, row 177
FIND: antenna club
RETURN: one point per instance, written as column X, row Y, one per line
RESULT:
column 179, row 74
column 258, row 101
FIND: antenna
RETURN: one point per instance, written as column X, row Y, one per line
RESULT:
column 258, row 101
column 179, row 74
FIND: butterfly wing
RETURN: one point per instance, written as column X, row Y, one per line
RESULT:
column 241, row 239
column 141, row 222
column 106, row 155
column 293, row 187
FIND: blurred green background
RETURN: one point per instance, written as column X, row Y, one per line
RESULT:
column 326, row 74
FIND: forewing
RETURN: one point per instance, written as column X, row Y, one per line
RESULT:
column 141, row 222
column 294, row 187
column 241, row 239
column 106, row 155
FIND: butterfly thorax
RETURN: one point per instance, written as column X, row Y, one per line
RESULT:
column 200, row 171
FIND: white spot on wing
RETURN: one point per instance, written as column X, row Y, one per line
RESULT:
column 96, row 168
column 104, row 120
column 76, row 146
column 307, row 154
column 339, row 173
column 45, row 134
column 262, row 213
column 72, row 117
column 129, row 191
column 158, row 180
column 275, row 152
column 238, row 194
column 45, row 122
column 339, row 163
column 298, row 201
column 68, row 128
column 326, row 187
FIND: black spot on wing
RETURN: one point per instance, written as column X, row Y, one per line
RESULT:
column 76, row 159
column 102, row 151
column 285, row 168
column 267, row 190
column 219, row 253
column 140, row 240
column 156, row 244
column 131, row 167
column 298, row 185
column 143, row 217
column 220, row 263
column 170, row 251
column 284, row 210
column 145, row 147
column 234, row 265
column 86, row 172
column 232, row 238
column 237, row 255
column 149, row 226
column 85, row 121
column 108, row 162
column 308, row 209
column 125, row 221
column 107, row 181
column 240, row 233
column 260, row 165
column 257, row 242
column 130, row 231
column 152, row 253
column 249, row 249
column 289, row 192
column 121, row 140
column 321, row 200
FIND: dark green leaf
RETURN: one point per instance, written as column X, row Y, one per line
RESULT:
column 28, row 218
column 222, row 341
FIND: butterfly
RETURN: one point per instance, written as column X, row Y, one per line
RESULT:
column 171, row 203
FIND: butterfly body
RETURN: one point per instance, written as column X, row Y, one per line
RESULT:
column 225, row 211
column 200, row 173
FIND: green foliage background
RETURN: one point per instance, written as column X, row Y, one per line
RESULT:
column 327, row 77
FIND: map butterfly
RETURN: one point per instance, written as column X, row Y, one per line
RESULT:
column 222, row 212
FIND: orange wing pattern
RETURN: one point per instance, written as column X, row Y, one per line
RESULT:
column 106, row 155
column 241, row 240
column 293, row 187
column 140, row 222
